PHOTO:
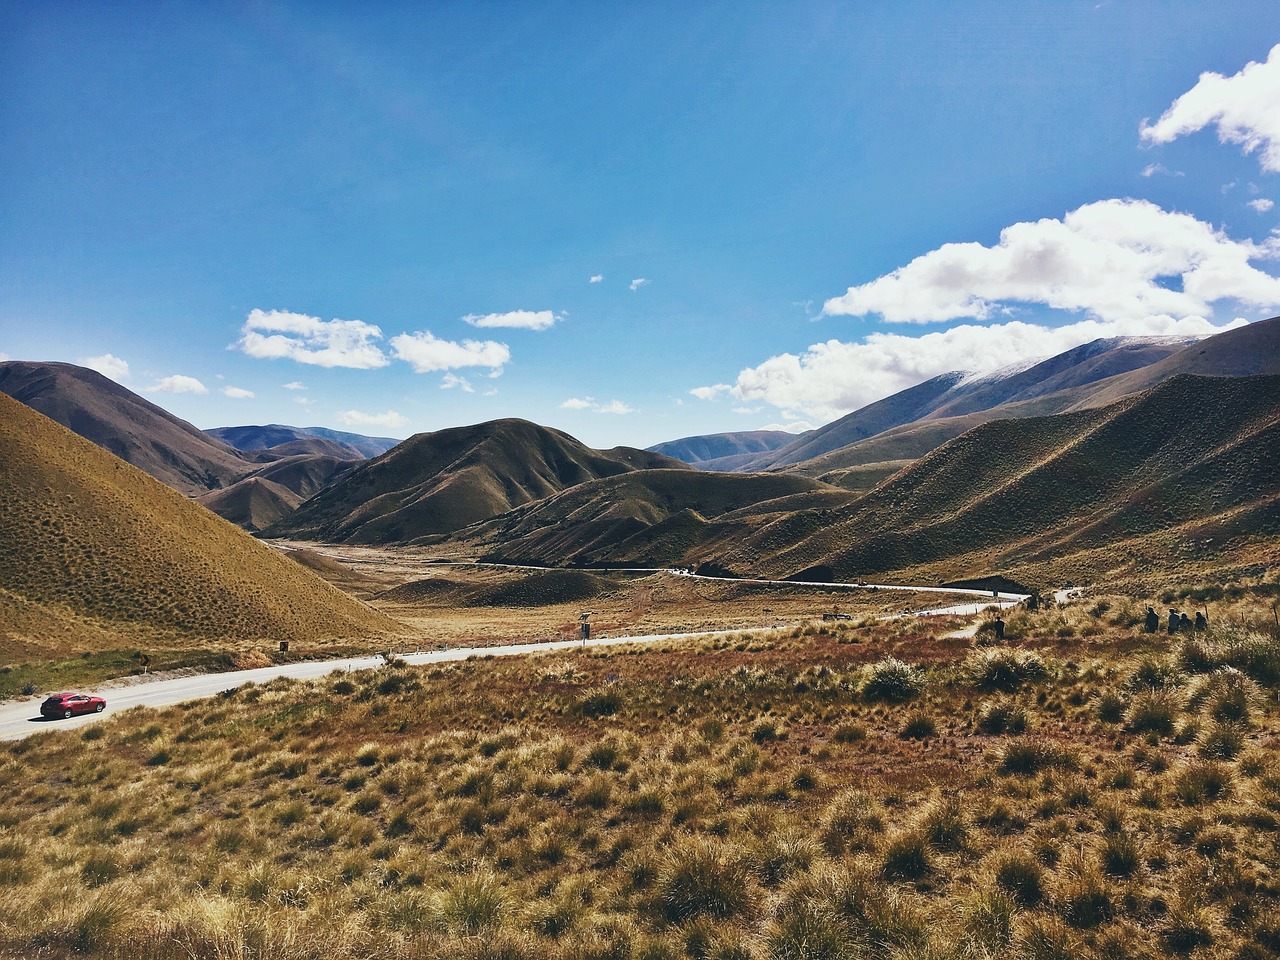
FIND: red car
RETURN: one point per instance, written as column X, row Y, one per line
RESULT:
column 68, row 704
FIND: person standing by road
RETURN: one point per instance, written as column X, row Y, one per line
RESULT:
column 1152, row 622
column 1175, row 618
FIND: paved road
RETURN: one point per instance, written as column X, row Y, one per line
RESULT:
column 20, row 719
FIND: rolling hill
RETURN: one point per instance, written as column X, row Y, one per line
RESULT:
column 123, row 423
column 645, row 518
column 436, row 483
column 1014, row 495
column 91, row 547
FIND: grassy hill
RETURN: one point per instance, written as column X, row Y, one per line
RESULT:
column 87, row 539
column 650, row 517
column 1026, row 492
column 120, row 421
column 436, row 483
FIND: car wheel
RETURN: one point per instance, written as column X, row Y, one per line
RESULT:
column 100, row 707
column 66, row 714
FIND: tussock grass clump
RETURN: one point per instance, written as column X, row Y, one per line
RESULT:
column 997, row 717
column 1203, row 782
column 893, row 681
column 919, row 725
column 852, row 821
column 1004, row 668
column 906, row 856
column 1154, row 710
column 1019, row 875
column 1028, row 757
column 705, row 878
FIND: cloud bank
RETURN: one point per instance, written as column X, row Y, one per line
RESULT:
column 1244, row 107
column 616, row 407
column 1111, row 260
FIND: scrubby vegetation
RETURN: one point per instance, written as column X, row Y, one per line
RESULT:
column 907, row 795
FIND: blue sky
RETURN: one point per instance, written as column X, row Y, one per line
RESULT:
column 632, row 224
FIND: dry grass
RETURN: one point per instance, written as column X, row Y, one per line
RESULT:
column 739, row 799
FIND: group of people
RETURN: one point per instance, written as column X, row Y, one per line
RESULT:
column 1178, row 622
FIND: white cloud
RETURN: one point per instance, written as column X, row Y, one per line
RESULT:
column 238, row 393
column 179, row 384
column 711, row 392
column 427, row 353
column 3, row 356
column 596, row 278
column 588, row 403
column 1107, row 259
column 305, row 401
column 834, row 378
column 451, row 380
column 108, row 365
column 1262, row 204
column 1151, row 169
column 517, row 319
column 323, row 343
column 295, row 385
column 1243, row 106
column 357, row 418
column 615, row 407
column 638, row 282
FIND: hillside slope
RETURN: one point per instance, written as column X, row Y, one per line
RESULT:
column 436, row 483
column 648, row 518
column 120, row 421
column 1016, row 493
column 86, row 536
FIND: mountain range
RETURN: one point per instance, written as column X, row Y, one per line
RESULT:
column 782, row 504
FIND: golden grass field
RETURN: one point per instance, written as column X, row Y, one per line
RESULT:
column 886, row 790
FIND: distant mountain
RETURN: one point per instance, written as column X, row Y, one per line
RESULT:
column 1195, row 453
column 715, row 446
column 91, row 547
column 251, row 438
column 436, row 483
column 273, row 492
column 649, row 517
column 120, row 421
column 958, row 394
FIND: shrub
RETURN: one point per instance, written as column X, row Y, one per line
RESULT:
column 767, row 731
column 704, row 878
column 1158, row 673
column 988, row 920
column 1227, row 694
column 1044, row 938
column 1005, row 669
column 1086, row 902
column 849, row 733
column 1110, row 707
column 893, row 680
column 1001, row 716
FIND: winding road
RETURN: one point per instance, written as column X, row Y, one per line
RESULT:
column 21, row 718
